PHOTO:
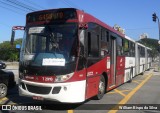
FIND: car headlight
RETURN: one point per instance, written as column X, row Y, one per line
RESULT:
column 62, row 78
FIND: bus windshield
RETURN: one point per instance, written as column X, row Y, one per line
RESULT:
column 50, row 45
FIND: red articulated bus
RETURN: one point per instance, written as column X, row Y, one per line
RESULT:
column 69, row 56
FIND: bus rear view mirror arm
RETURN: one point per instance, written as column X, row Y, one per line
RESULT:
column 13, row 32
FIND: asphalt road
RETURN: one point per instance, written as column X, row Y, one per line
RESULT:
column 142, row 95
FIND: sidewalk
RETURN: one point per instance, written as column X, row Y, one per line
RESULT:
column 155, row 68
column 12, row 65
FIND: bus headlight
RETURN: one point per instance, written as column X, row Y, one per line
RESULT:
column 62, row 78
column 21, row 75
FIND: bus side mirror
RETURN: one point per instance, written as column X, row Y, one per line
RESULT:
column 12, row 36
column 13, row 32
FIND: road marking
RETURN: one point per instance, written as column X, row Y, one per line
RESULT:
column 13, row 103
column 135, row 81
column 70, row 111
column 116, row 92
column 120, row 92
column 139, row 80
column 3, row 99
column 127, row 97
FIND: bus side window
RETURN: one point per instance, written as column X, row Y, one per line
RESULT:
column 104, row 43
column 132, row 49
column 142, row 52
column 93, row 44
column 119, row 46
column 126, row 47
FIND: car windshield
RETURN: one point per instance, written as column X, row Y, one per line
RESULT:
column 50, row 45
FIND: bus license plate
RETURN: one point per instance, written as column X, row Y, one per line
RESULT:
column 37, row 98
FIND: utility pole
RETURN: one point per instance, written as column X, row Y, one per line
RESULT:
column 155, row 17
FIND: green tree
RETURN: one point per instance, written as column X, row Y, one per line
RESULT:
column 9, row 52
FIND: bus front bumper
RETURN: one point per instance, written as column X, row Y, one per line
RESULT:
column 71, row 92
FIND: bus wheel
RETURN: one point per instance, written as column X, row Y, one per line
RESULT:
column 131, row 75
column 3, row 90
column 143, row 70
column 101, row 88
column 130, row 80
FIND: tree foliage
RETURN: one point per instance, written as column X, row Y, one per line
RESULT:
column 9, row 52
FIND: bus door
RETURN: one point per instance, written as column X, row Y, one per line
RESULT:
column 92, row 79
column 113, row 62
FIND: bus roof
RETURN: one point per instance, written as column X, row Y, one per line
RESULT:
column 148, row 48
column 48, row 10
column 89, row 18
column 86, row 18
column 129, row 38
column 140, row 44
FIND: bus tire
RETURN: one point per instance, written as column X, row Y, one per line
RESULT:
column 131, row 75
column 130, row 79
column 101, row 88
column 143, row 70
column 3, row 90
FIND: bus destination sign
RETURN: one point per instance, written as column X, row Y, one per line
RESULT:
column 52, row 15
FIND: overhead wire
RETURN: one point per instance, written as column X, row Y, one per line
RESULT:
column 26, row 8
column 25, row 5
column 7, row 4
column 12, row 10
column 20, row 4
column 72, row 4
column 66, row 3
column 34, row 4
column 16, row 8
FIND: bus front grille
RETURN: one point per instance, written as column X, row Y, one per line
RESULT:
column 38, row 89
